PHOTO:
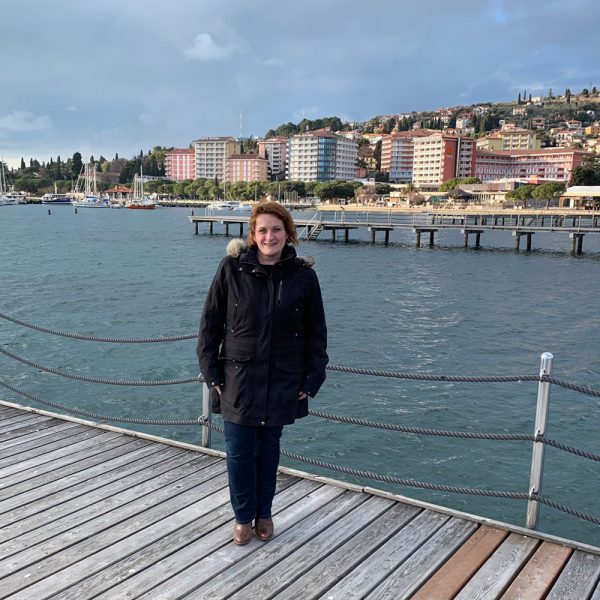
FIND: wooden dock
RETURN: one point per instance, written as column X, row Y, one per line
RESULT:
column 521, row 224
column 92, row 511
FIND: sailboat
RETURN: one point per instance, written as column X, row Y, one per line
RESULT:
column 90, row 199
column 8, row 196
column 139, row 201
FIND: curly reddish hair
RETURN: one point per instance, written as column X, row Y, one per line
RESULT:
column 270, row 207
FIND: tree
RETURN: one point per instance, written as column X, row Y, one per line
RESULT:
column 568, row 96
column 546, row 191
column 22, row 164
column 587, row 174
column 76, row 164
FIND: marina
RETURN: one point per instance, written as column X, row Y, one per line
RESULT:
column 90, row 510
column 520, row 224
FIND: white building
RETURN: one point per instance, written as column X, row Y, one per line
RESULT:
column 321, row 156
column 275, row 151
column 211, row 155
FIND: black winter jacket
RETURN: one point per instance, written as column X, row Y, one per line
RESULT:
column 263, row 337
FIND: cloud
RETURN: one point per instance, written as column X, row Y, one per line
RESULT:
column 273, row 62
column 21, row 120
column 205, row 49
column 71, row 108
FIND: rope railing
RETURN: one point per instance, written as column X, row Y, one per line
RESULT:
column 539, row 438
column 95, row 338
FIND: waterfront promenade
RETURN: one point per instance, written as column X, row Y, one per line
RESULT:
column 93, row 511
column 472, row 223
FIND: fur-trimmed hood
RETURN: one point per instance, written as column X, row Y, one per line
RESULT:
column 238, row 245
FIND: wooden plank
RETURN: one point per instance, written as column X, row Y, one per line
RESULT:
column 191, row 514
column 498, row 572
column 33, row 431
column 152, row 485
column 578, row 579
column 388, row 557
column 293, row 553
column 141, row 569
column 330, row 569
column 536, row 579
column 596, row 594
column 17, row 444
column 42, row 498
column 16, row 421
column 454, row 574
column 418, row 568
column 290, row 542
column 118, row 446
column 311, row 552
column 218, row 552
column 72, row 442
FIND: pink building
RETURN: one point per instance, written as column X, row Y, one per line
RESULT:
column 397, row 154
column 247, row 167
column 180, row 164
column 554, row 164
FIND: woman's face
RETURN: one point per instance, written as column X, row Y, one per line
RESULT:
column 270, row 236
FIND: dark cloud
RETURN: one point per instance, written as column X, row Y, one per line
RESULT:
column 116, row 76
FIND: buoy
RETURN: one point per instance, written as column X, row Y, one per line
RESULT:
column 75, row 210
column 49, row 212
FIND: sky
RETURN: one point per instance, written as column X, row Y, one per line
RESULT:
column 123, row 76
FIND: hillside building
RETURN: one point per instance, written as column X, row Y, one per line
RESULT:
column 180, row 164
column 321, row 156
column 439, row 157
column 211, row 154
column 247, row 167
column 275, row 151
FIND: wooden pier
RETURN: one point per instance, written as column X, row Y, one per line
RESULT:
column 92, row 511
column 521, row 224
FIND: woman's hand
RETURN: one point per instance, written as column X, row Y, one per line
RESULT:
column 302, row 395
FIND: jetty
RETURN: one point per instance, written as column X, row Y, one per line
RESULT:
column 89, row 510
column 471, row 223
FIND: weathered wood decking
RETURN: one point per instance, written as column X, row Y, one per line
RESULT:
column 91, row 512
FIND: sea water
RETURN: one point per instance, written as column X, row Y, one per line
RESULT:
column 442, row 310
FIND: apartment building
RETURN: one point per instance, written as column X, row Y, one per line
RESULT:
column 180, row 164
column 247, row 167
column 321, row 156
column 510, row 139
column 211, row 154
column 275, row 150
column 397, row 154
column 555, row 164
column 439, row 157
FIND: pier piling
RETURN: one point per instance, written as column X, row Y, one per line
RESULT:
column 576, row 243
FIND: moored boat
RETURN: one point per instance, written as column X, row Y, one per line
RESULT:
column 139, row 201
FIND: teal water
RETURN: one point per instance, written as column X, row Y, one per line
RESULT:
column 442, row 310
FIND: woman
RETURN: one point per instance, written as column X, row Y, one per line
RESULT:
column 262, row 347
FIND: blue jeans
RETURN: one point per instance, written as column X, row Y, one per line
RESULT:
column 252, row 460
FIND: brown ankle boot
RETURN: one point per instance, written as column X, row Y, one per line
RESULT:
column 264, row 529
column 242, row 533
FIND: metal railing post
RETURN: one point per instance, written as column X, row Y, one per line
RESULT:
column 207, row 413
column 537, row 455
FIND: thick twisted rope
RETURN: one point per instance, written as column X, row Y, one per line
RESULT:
column 428, row 377
column 566, row 509
column 97, row 379
column 473, row 435
column 96, row 416
column 94, row 338
column 571, row 386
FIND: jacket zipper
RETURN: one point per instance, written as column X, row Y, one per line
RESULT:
column 280, row 291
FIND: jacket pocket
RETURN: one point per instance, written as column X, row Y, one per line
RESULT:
column 288, row 379
column 237, row 373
